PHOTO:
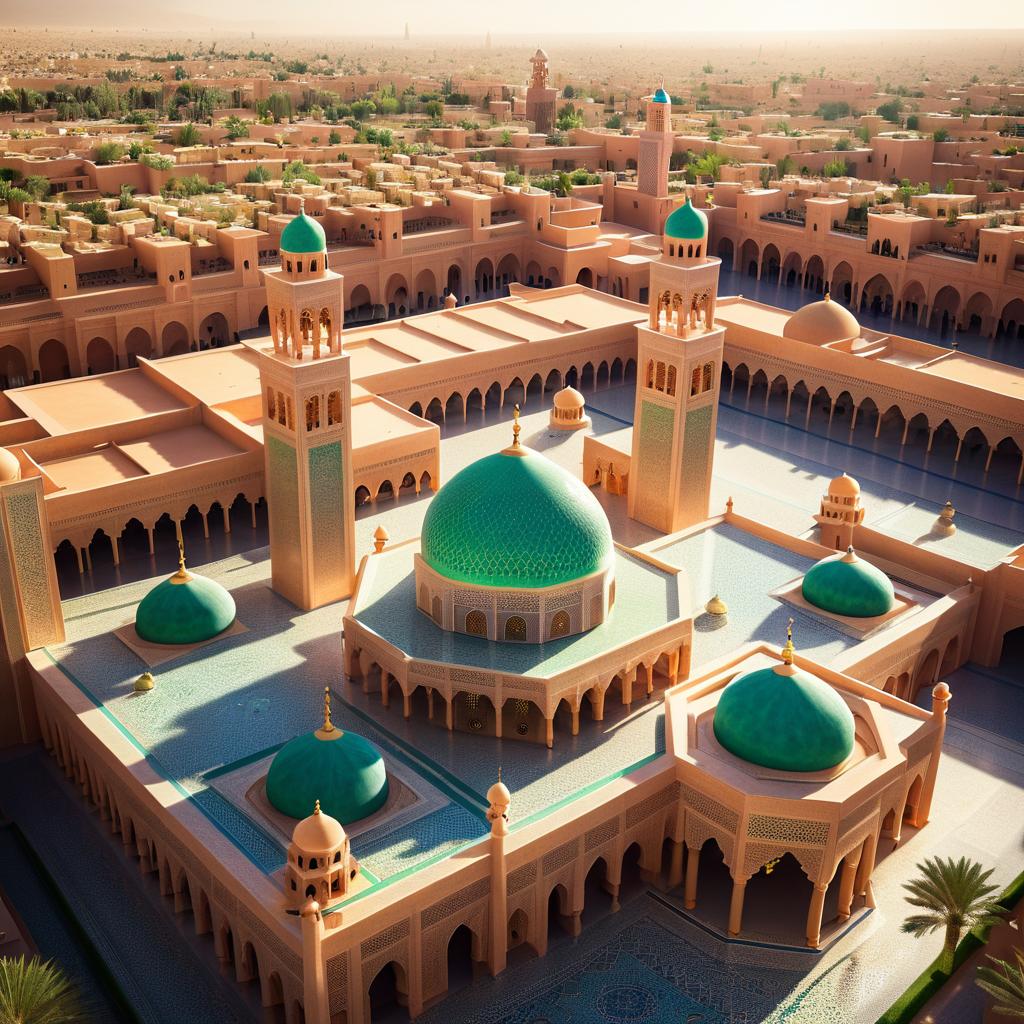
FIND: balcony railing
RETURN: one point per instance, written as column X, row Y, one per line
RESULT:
column 940, row 249
column 788, row 217
column 851, row 228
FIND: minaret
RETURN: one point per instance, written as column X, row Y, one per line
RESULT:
column 306, row 385
column 540, row 98
column 679, row 361
column 499, row 799
column 655, row 147
column 840, row 513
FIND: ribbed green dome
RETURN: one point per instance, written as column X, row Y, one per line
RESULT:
column 345, row 773
column 847, row 585
column 302, row 234
column 793, row 723
column 687, row 222
column 512, row 520
column 184, row 609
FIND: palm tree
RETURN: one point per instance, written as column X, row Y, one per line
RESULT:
column 34, row 992
column 954, row 896
column 1005, row 982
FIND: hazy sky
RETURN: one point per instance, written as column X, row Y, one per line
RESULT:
column 339, row 18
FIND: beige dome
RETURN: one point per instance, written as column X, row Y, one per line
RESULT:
column 822, row 322
column 568, row 398
column 844, row 487
column 318, row 833
column 498, row 795
column 10, row 467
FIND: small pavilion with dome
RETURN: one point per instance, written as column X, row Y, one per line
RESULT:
column 515, row 601
column 783, row 759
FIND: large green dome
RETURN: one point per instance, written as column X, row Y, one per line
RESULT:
column 515, row 519
column 302, row 234
column 342, row 770
column 687, row 222
column 184, row 609
column 784, row 718
column 847, row 585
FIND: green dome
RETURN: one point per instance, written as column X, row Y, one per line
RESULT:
column 794, row 723
column 342, row 770
column 515, row 519
column 302, row 234
column 184, row 609
column 687, row 222
column 660, row 96
column 847, row 585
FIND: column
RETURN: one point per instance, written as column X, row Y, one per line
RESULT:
column 814, row 916
column 692, row 866
column 736, row 907
column 549, row 732
column 675, row 867
column 846, row 882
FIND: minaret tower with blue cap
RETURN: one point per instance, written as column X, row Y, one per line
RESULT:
column 655, row 146
column 679, row 364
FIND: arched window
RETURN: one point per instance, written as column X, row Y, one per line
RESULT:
column 312, row 266
column 310, row 891
column 515, row 628
column 312, row 863
column 689, row 250
column 300, row 860
column 659, row 380
column 325, row 324
column 282, row 327
column 476, row 623
column 313, row 413
column 271, row 404
column 333, row 408
column 670, row 387
column 424, row 599
column 560, row 624
column 695, row 382
column 282, row 410
column 337, row 856
column 650, row 373
column 435, row 610
column 709, row 377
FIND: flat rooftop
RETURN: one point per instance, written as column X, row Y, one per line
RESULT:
column 64, row 406
column 214, row 376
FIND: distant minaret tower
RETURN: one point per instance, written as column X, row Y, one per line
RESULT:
column 540, row 98
column 307, row 397
column 655, row 146
column 679, row 362
column 407, row 31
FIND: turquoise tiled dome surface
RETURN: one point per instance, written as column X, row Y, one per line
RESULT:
column 660, row 96
column 793, row 723
column 843, row 587
column 686, row 222
column 515, row 521
column 302, row 234
column 184, row 613
column 345, row 774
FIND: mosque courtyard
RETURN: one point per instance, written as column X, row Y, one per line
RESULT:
column 220, row 713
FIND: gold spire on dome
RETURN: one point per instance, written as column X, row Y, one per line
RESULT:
column 182, row 575
column 302, row 205
column 316, row 807
column 789, row 650
column 515, row 448
column 828, row 295
column 328, row 731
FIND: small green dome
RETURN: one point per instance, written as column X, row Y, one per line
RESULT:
column 847, row 585
column 515, row 519
column 784, row 718
column 660, row 96
column 342, row 770
column 687, row 222
column 302, row 234
column 184, row 609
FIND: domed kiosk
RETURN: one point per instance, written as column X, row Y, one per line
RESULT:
column 341, row 770
column 568, row 410
column 845, row 584
column 514, row 522
column 185, row 608
column 784, row 718
column 820, row 323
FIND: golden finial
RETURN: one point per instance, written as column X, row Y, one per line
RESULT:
column 328, row 724
column 828, row 295
column 316, row 807
column 789, row 650
column 182, row 575
column 499, row 773
column 515, row 426
column 302, row 205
